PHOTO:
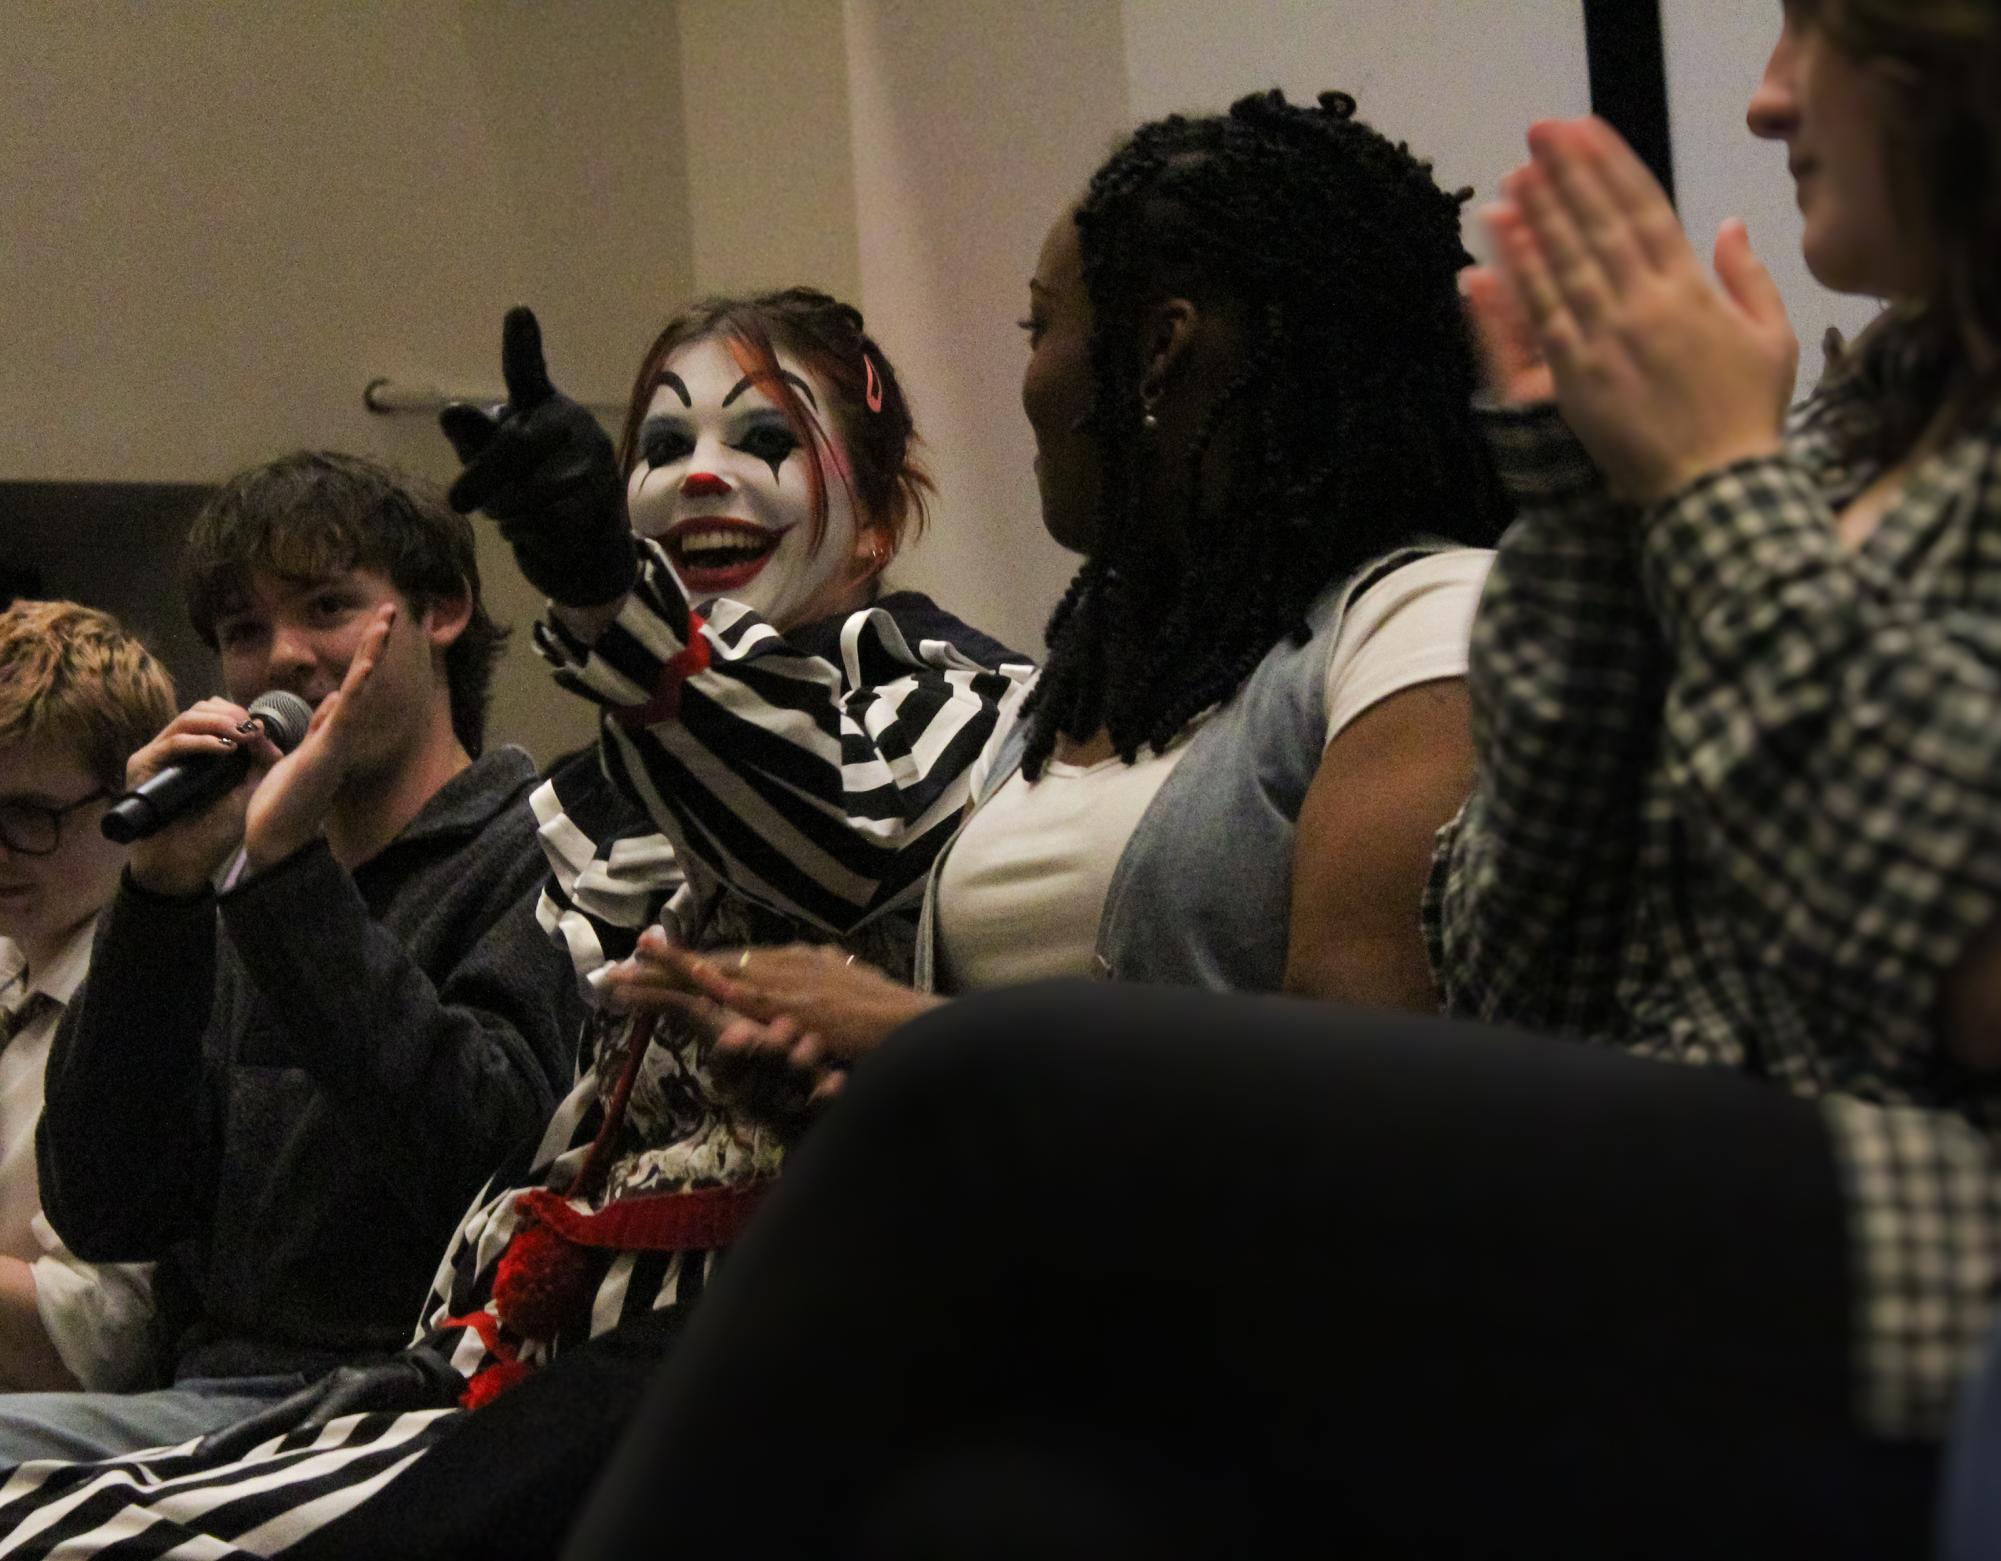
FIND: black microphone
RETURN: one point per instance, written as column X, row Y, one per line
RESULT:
column 193, row 784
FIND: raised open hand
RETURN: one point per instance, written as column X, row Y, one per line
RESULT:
column 1663, row 372
column 290, row 808
column 1512, row 366
column 543, row 468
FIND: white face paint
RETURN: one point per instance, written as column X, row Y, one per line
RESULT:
column 723, row 483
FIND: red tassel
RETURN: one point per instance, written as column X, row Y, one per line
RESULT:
column 541, row 1280
column 665, row 704
column 491, row 1381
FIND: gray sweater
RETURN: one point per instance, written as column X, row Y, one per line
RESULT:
column 288, row 1094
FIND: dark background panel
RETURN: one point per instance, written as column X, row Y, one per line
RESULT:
column 114, row 546
column 1628, row 65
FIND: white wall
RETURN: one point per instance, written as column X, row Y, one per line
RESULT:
column 771, row 190
column 975, row 124
column 1716, row 52
column 224, row 218
column 1457, row 79
column 976, row 121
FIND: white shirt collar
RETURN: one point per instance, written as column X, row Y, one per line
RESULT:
column 62, row 975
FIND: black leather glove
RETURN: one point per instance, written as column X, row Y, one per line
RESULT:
column 545, row 470
column 419, row 1378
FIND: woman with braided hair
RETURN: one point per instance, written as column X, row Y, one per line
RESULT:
column 1250, row 386
column 1323, row 426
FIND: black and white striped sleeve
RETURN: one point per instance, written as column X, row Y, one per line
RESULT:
column 818, row 777
column 1530, row 891
column 606, row 885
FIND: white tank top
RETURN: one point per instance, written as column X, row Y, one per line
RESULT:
column 1022, row 891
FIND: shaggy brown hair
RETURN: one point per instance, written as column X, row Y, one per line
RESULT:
column 317, row 513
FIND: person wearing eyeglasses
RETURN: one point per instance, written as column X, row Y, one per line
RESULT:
column 77, row 694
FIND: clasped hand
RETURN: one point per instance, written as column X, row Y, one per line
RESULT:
column 786, row 1023
column 1662, row 373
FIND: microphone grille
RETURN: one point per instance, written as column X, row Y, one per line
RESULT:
column 285, row 716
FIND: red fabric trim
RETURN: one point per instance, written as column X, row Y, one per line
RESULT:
column 665, row 704
column 694, row 1221
column 487, row 1326
column 498, row 1374
column 489, row 1382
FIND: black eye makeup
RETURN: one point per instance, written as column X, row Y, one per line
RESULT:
column 770, row 440
column 662, row 443
column 763, row 436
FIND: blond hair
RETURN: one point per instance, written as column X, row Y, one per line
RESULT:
column 72, row 674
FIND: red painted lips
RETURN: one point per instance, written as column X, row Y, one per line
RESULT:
column 717, row 554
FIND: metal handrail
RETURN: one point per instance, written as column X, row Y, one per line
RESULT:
column 393, row 398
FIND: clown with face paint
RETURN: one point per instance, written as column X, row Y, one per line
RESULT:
column 717, row 589
column 740, row 641
column 740, row 502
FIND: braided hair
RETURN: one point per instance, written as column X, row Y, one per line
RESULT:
column 1350, row 428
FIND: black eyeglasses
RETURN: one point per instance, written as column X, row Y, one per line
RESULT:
column 35, row 830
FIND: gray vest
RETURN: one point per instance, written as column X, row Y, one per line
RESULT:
column 1202, row 895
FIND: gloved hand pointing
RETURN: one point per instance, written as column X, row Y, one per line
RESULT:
column 543, row 468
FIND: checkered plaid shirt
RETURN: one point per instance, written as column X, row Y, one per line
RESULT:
column 1740, row 805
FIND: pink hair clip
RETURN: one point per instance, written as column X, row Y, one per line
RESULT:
column 874, row 384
